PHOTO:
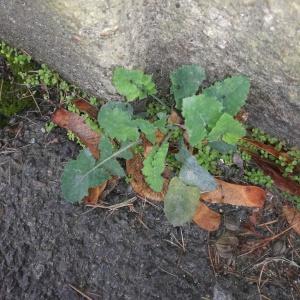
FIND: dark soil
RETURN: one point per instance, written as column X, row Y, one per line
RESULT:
column 46, row 244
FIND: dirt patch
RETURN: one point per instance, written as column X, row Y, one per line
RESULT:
column 46, row 244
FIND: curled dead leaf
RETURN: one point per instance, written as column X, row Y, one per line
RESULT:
column 174, row 118
column 235, row 194
column 283, row 183
column 206, row 218
column 292, row 215
column 76, row 124
column 86, row 107
column 134, row 167
column 268, row 148
column 111, row 184
column 95, row 194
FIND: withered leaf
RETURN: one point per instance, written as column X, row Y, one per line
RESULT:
column 292, row 215
column 235, row 194
column 134, row 170
column 76, row 124
column 206, row 218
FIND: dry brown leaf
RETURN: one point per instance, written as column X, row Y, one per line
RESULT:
column 283, row 183
column 268, row 148
column 159, row 137
column 111, row 184
column 76, row 124
column 87, row 136
column 206, row 218
column 174, row 118
column 134, row 167
column 242, row 116
column 86, row 107
column 147, row 146
column 95, row 194
column 292, row 215
column 235, row 194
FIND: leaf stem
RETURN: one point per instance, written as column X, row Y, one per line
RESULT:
column 109, row 158
column 160, row 102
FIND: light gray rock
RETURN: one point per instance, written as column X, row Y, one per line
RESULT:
column 85, row 39
column 220, row 293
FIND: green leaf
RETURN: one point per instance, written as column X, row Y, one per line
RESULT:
column 185, row 82
column 232, row 93
column 116, row 121
column 200, row 112
column 222, row 147
column 125, row 154
column 75, row 183
column 183, row 154
column 147, row 128
column 192, row 173
column 181, row 202
column 120, row 105
column 133, row 84
column 112, row 166
column 161, row 122
column 227, row 130
column 105, row 147
column 154, row 165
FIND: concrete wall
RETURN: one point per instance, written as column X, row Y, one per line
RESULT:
column 85, row 39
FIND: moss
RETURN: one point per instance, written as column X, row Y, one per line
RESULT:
column 14, row 95
column 14, row 98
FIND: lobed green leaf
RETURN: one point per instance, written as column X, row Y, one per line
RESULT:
column 127, row 154
column 75, row 182
column 116, row 121
column 154, row 165
column 112, row 166
column 231, row 92
column 186, row 81
column 181, row 202
column 147, row 128
column 200, row 113
column 133, row 84
column 160, row 124
column 227, row 130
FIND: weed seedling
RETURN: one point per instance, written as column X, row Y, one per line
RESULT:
column 209, row 128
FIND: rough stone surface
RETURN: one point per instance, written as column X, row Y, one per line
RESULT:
column 85, row 39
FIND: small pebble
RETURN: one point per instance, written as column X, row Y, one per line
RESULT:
column 278, row 248
column 221, row 293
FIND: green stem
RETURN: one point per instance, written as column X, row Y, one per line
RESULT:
column 160, row 102
column 101, row 163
